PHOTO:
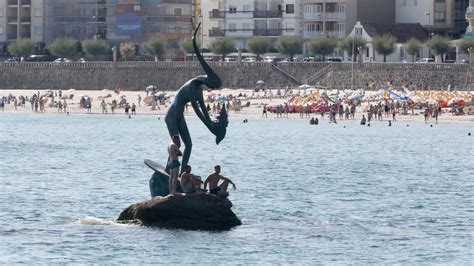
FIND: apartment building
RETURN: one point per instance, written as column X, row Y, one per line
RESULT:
column 445, row 17
column 243, row 19
column 21, row 19
column 337, row 17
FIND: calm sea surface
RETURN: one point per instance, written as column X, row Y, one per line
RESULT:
column 306, row 194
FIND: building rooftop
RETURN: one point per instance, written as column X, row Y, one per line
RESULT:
column 401, row 31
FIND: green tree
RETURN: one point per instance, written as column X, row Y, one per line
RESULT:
column 438, row 45
column 223, row 46
column 258, row 46
column 322, row 46
column 22, row 47
column 413, row 47
column 95, row 47
column 357, row 44
column 467, row 44
column 384, row 45
column 63, row 47
column 186, row 46
column 127, row 50
column 155, row 47
column 289, row 45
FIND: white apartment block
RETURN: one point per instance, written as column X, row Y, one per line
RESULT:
column 302, row 18
column 243, row 19
column 21, row 19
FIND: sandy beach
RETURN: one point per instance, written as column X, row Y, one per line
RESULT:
column 253, row 111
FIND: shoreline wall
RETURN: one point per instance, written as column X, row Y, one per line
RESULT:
column 172, row 75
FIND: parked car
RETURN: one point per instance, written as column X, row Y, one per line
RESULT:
column 462, row 61
column 426, row 60
column 249, row 59
column 13, row 59
column 81, row 60
column 333, row 59
column 229, row 59
column 40, row 58
column 271, row 59
column 62, row 60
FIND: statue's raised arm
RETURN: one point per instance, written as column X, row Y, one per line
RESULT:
column 192, row 92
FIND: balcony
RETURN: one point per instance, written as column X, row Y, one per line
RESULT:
column 12, row 36
column 327, row 16
column 13, row 2
column 267, row 14
column 267, row 32
column 314, row 34
column 13, row 19
column 25, row 19
column 216, row 14
column 216, row 33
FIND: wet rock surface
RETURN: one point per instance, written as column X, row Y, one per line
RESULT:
column 191, row 211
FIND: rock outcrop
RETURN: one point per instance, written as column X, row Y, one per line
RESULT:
column 191, row 211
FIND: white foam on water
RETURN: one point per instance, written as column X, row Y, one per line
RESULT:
column 96, row 221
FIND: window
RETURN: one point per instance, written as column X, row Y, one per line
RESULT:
column 358, row 31
column 1, row 30
column 37, row 30
column 290, row 9
column 341, row 8
column 232, row 27
column 1, row 12
column 247, row 8
column 36, row 12
column 402, row 53
column 312, row 27
column 247, row 26
column 439, row 17
column 232, row 9
column 312, row 9
column 177, row 11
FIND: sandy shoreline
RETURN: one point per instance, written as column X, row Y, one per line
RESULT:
column 253, row 111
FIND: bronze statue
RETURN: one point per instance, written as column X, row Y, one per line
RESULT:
column 192, row 91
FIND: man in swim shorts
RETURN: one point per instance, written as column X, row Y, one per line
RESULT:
column 190, row 183
column 173, row 163
column 213, row 180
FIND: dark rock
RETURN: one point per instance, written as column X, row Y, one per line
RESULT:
column 191, row 211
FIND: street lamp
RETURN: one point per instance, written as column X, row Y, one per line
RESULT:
column 352, row 63
column 429, row 22
column 470, row 50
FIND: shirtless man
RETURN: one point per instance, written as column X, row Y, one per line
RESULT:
column 190, row 183
column 173, row 163
column 213, row 180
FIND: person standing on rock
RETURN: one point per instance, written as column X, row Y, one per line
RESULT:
column 213, row 180
column 173, row 163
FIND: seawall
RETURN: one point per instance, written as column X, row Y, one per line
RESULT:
column 171, row 75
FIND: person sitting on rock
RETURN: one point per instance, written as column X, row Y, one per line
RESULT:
column 213, row 180
column 190, row 183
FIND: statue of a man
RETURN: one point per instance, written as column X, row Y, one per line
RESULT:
column 192, row 91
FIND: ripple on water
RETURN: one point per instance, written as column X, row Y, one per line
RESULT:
column 305, row 195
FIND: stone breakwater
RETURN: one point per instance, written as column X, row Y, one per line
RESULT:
column 171, row 75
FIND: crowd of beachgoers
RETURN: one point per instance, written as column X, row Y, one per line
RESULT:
column 299, row 102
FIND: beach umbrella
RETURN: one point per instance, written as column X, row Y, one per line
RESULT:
column 151, row 88
column 221, row 98
column 305, row 86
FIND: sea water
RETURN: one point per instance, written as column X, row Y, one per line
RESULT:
column 306, row 194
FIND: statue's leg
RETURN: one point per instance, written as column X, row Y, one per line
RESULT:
column 186, row 139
